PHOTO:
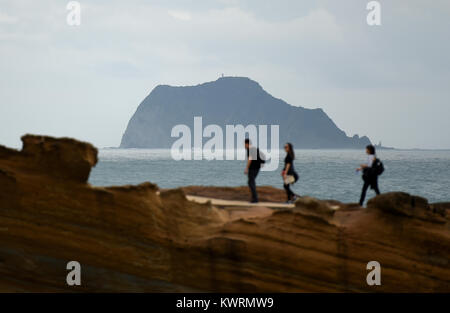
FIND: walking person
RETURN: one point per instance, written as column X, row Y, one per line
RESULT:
column 289, row 174
column 371, row 170
column 254, row 162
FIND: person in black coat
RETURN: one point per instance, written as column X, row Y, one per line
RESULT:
column 255, row 159
column 289, row 171
column 369, row 177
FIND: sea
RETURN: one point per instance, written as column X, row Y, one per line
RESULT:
column 324, row 174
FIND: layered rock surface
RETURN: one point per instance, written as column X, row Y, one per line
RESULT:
column 138, row 238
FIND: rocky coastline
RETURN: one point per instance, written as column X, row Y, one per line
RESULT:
column 143, row 239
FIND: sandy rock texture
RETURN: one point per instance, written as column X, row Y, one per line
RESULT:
column 138, row 238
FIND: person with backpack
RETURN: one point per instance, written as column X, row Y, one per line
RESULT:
column 371, row 170
column 289, row 174
column 254, row 160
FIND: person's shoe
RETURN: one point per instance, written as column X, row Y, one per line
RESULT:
column 294, row 198
column 254, row 201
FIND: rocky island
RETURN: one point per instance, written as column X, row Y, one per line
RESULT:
column 231, row 101
column 142, row 239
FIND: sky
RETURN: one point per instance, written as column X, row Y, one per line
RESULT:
column 389, row 82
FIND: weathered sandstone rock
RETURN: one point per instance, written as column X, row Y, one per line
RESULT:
column 134, row 238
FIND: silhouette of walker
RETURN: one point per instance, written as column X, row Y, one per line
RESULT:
column 254, row 161
column 289, row 174
column 370, row 172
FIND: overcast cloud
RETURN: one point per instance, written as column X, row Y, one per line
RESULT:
column 388, row 82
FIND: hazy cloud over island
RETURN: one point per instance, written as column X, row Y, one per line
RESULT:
column 388, row 82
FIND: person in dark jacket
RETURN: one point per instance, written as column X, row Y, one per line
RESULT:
column 254, row 162
column 289, row 172
column 369, row 178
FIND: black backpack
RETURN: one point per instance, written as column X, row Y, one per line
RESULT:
column 377, row 167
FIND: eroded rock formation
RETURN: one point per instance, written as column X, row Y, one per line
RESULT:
column 134, row 238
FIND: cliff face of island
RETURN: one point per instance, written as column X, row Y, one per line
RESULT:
column 138, row 238
column 230, row 101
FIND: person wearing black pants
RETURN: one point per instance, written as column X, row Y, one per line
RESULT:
column 370, row 178
column 373, row 183
column 252, row 173
column 254, row 162
column 289, row 170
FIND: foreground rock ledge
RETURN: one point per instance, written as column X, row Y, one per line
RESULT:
column 133, row 238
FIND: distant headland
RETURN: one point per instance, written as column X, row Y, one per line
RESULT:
column 231, row 100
